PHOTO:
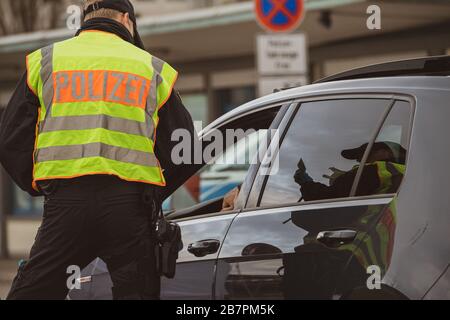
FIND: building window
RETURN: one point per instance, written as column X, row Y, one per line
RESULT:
column 197, row 105
column 230, row 98
column 23, row 205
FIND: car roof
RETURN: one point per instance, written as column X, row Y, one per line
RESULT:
column 384, row 85
column 430, row 66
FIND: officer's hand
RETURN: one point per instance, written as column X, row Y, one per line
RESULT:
column 336, row 173
column 300, row 176
column 229, row 199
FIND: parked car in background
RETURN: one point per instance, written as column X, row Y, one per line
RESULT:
column 277, row 244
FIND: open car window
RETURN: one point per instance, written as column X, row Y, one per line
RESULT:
column 204, row 191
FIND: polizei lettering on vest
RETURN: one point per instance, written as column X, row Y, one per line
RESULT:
column 99, row 85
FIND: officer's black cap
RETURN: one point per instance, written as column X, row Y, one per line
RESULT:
column 397, row 151
column 124, row 6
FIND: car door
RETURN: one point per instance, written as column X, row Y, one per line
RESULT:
column 283, row 246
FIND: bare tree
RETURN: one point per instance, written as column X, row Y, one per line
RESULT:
column 18, row 16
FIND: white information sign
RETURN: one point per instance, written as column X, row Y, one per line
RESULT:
column 282, row 54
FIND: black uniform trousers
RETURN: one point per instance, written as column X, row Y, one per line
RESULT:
column 89, row 217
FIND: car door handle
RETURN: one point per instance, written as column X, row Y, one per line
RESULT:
column 204, row 247
column 336, row 238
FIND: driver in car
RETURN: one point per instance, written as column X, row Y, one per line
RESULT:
column 383, row 172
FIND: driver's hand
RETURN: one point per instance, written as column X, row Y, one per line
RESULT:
column 229, row 199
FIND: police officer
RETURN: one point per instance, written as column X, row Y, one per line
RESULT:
column 89, row 127
column 383, row 172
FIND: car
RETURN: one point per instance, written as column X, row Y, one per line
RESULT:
column 280, row 243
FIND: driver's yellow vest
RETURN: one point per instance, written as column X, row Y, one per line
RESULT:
column 374, row 243
column 99, row 100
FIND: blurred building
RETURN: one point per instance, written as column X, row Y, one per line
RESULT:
column 212, row 44
column 157, row 7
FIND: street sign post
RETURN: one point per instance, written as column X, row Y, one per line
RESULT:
column 281, row 58
column 279, row 15
column 268, row 84
column 282, row 61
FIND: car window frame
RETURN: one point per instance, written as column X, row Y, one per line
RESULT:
column 253, row 169
column 257, row 191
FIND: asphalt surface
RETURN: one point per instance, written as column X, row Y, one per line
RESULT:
column 21, row 233
column 8, row 270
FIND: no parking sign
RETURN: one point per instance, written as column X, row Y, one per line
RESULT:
column 279, row 15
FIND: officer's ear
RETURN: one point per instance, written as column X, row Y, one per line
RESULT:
column 126, row 21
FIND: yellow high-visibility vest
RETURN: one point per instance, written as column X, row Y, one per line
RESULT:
column 99, row 100
column 374, row 247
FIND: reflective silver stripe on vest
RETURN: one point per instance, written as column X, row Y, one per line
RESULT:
column 376, row 244
column 95, row 150
column 95, row 121
column 362, row 246
column 47, row 80
column 152, row 99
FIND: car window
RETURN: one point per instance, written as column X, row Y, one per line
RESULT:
column 318, row 156
column 219, row 177
column 228, row 169
column 392, row 140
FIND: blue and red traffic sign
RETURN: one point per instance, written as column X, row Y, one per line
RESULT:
column 279, row 15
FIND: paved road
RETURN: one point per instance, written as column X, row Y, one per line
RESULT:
column 21, row 235
column 8, row 270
